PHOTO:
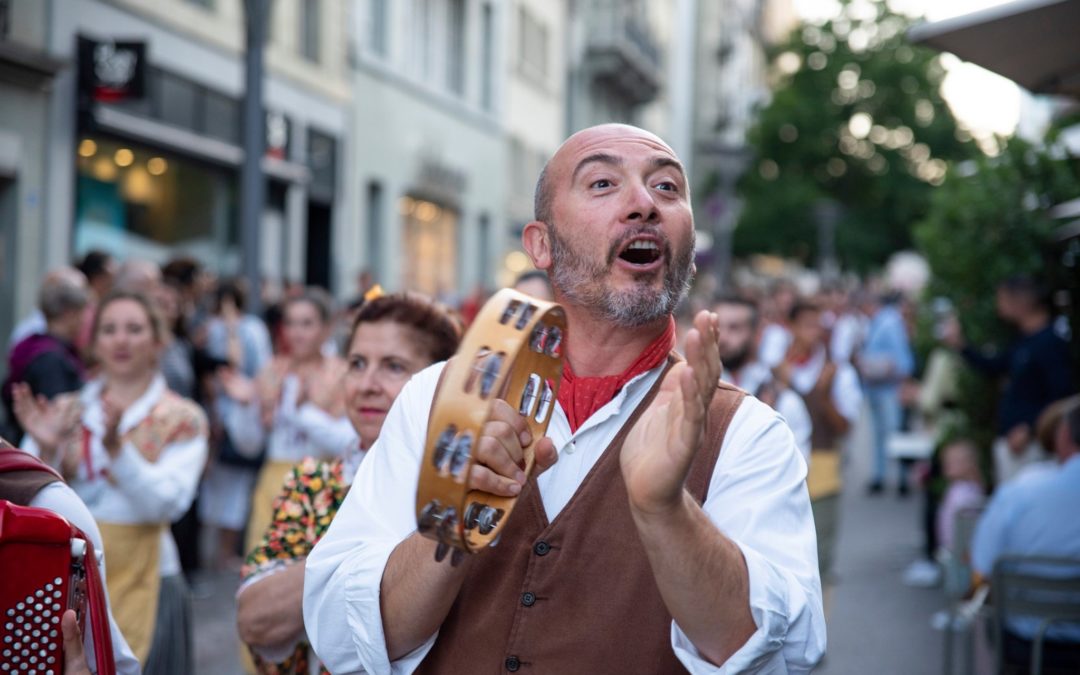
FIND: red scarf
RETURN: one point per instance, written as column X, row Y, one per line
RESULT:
column 580, row 397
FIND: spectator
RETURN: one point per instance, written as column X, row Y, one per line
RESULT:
column 241, row 342
column 1036, row 368
column 884, row 362
column 100, row 270
column 1034, row 515
column 141, row 276
column 738, row 332
column 776, row 336
column 48, row 361
column 966, row 487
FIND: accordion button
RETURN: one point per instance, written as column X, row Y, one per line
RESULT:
column 512, row 664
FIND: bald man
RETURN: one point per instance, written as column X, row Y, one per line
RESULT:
column 666, row 527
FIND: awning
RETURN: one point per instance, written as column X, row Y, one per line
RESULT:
column 1035, row 43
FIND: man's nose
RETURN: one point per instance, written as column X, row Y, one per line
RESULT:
column 640, row 206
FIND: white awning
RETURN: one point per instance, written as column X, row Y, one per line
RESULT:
column 1035, row 43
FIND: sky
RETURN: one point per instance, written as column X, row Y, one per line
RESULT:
column 984, row 102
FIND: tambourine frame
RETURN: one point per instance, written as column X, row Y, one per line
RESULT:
column 515, row 344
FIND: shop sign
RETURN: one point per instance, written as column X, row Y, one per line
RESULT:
column 112, row 71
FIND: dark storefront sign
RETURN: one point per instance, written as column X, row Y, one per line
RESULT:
column 112, row 71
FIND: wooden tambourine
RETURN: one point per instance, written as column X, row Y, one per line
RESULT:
column 513, row 351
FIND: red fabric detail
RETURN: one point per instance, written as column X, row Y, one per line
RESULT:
column 13, row 459
column 580, row 397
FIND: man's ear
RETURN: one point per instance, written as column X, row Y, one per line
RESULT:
column 537, row 243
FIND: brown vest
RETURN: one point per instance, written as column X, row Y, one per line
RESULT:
column 823, row 436
column 21, row 475
column 576, row 595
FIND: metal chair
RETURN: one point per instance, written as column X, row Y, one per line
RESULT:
column 1044, row 589
column 956, row 566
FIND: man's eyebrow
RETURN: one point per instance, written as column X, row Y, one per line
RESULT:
column 596, row 158
column 661, row 162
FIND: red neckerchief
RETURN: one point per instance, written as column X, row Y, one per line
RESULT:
column 580, row 397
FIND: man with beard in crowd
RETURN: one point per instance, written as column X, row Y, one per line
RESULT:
column 666, row 527
column 739, row 330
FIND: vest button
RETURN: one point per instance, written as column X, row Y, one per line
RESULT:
column 512, row 664
column 528, row 599
column 541, row 548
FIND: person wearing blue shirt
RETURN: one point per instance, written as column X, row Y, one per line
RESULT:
column 1034, row 515
column 884, row 361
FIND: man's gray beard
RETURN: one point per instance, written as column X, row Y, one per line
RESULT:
column 580, row 281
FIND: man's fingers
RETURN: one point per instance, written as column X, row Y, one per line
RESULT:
column 491, row 453
column 484, row 479
column 74, row 658
column 545, row 456
column 501, row 411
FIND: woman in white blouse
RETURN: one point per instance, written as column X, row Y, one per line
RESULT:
column 133, row 451
column 275, row 409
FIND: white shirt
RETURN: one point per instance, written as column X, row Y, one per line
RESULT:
column 846, row 391
column 143, row 491
column 296, row 432
column 790, row 405
column 757, row 497
column 775, row 340
column 62, row 500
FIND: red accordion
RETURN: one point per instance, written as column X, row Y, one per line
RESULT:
column 47, row 566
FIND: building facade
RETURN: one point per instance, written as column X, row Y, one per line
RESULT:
column 141, row 152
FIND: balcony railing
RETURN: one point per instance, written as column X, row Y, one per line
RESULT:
column 621, row 52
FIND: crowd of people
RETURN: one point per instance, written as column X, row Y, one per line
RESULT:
column 168, row 407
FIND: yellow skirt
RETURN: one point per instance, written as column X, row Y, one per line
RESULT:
column 823, row 478
column 133, row 578
column 267, row 488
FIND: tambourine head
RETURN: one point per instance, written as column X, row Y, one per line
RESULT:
column 513, row 352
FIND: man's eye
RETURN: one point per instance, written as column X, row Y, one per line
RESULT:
column 357, row 364
column 602, row 183
column 668, row 185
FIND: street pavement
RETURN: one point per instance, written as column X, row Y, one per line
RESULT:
column 876, row 625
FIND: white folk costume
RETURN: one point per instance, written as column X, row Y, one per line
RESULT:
column 298, row 432
column 134, row 498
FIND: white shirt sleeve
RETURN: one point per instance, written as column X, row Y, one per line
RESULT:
column 791, row 406
column 344, row 571
column 62, row 500
column 243, row 423
column 758, row 499
column 333, row 434
column 847, row 392
column 163, row 490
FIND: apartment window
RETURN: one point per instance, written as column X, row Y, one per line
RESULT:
column 309, row 30
column 533, row 41
column 377, row 27
column 487, row 57
column 207, row 4
column 455, row 76
column 5, row 18
column 484, row 227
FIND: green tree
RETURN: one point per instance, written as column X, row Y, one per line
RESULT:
column 987, row 222
column 856, row 118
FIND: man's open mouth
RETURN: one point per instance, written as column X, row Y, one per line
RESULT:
column 641, row 252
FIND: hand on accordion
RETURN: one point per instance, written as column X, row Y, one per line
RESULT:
column 74, row 656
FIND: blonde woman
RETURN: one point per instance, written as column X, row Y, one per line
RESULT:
column 133, row 451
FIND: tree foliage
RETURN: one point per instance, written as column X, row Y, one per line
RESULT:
column 856, row 118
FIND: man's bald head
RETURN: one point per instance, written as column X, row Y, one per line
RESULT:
column 555, row 169
column 63, row 291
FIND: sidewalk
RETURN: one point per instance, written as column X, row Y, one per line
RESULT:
column 876, row 624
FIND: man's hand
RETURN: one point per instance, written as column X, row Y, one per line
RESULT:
column 659, row 450
column 1018, row 439
column 500, row 455
column 74, row 656
column 323, row 387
